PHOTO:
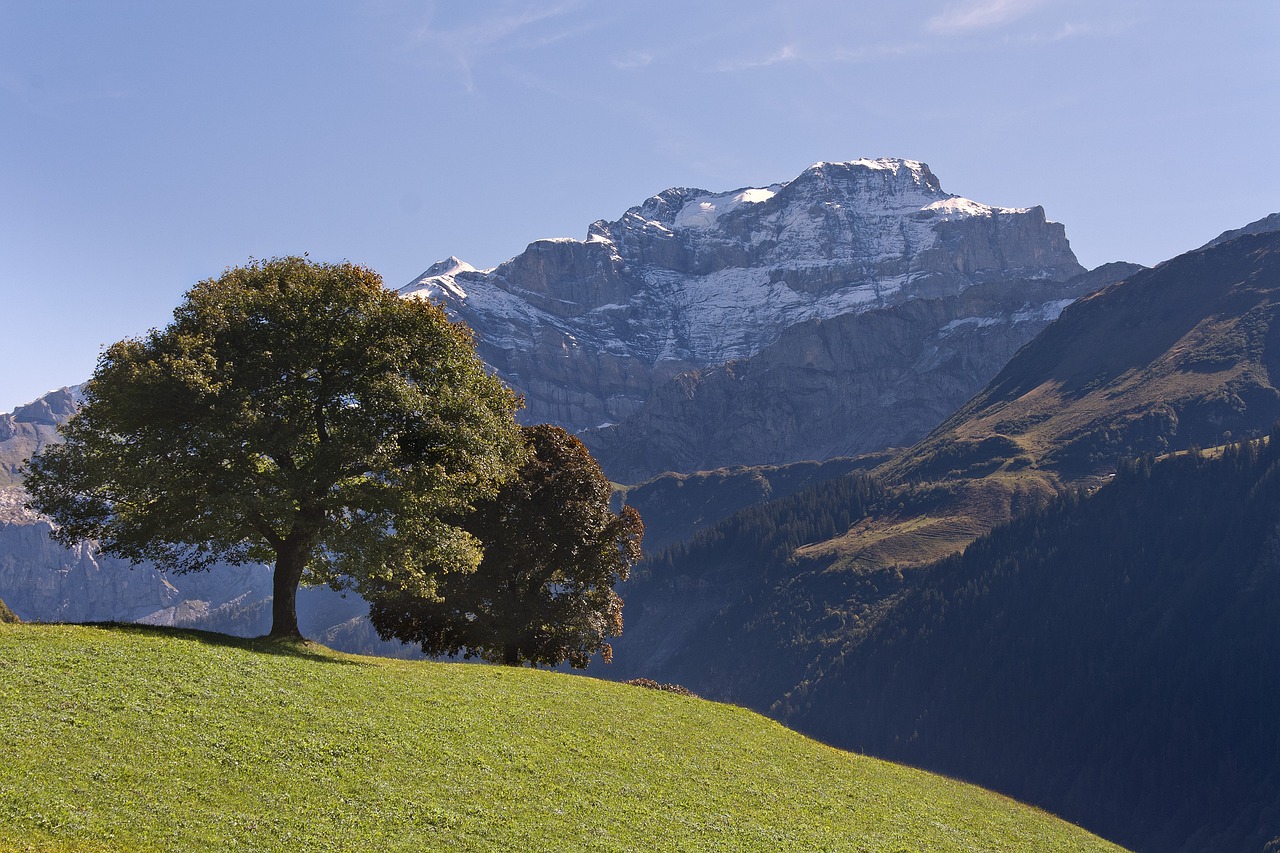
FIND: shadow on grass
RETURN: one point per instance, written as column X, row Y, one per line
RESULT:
column 261, row 645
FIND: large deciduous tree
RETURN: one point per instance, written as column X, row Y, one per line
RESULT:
column 293, row 412
column 544, row 592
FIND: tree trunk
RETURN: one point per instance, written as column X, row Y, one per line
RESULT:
column 290, row 561
column 511, row 654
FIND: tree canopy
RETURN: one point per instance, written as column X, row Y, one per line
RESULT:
column 544, row 592
column 293, row 412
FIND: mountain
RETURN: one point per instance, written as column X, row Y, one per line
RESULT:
column 1172, row 357
column 771, row 607
column 693, row 281
column 27, row 429
column 1178, row 355
column 844, row 386
column 675, row 506
column 1265, row 225
column 1111, row 658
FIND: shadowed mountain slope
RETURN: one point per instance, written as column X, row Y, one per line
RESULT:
column 763, row 607
column 1180, row 355
column 1177, row 355
column 1111, row 658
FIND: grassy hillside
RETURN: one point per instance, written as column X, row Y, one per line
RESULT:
column 1171, row 357
column 1112, row 657
column 1175, row 356
column 144, row 739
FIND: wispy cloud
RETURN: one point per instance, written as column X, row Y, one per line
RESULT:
column 495, row 28
column 841, row 55
column 786, row 53
column 514, row 26
column 979, row 15
column 633, row 59
column 871, row 53
column 1090, row 30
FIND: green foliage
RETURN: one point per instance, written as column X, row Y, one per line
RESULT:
column 764, row 536
column 292, row 411
column 675, row 506
column 1111, row 657
column 747, row 606
column 544, row 591
column 147, row 739
column 7, row 615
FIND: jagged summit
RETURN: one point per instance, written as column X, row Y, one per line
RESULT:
column 692, row 278
column 449, row 266
column 867, row 196
column 24, row 432
column 1265, row 225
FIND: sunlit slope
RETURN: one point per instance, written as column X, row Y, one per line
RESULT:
column 1185, row 353
column 137, row 739
column 1180, row 355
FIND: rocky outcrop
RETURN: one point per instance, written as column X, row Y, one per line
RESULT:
column 41, row 580
column 850, row 385
column 692, row 285
column 1265, row 225
column 25, row 431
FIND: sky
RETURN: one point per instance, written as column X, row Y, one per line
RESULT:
column 145, row 146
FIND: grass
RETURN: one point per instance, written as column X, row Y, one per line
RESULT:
column 129, row 738
column 933, row 521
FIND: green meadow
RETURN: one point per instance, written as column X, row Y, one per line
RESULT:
column 129, row 738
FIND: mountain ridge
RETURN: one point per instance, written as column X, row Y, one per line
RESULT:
column 845, row 386
column 690, row 280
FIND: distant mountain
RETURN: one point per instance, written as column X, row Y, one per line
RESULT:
column 763, row 607
column 1112, row 658
column 849, row 385
column 652, row 316
column 25, row 431
column 1265, row 225
column 42, row 581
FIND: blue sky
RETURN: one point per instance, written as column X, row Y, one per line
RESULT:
column 145, row 146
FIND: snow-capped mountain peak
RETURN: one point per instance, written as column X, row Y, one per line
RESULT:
column 692, row 278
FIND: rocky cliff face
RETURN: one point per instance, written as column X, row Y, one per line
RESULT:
column 42, row 581
column 25, row 431
column 850, row 385
column 691, row 280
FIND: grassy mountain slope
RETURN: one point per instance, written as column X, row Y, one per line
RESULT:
column 675, row 506
column 1176, row 355
column 1113, row 658
column 137, row 739
column 1183, row 354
